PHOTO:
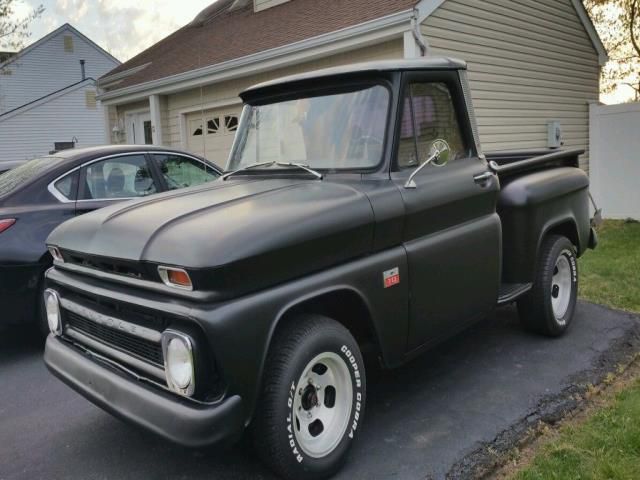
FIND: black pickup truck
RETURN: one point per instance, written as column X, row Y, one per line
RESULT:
column 358, row 214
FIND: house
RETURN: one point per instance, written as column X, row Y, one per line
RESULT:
column 530, row 64
column 48, row 95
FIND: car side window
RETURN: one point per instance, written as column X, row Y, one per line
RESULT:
column 180, row 172
column 429, row 114
column 67, row 186
column 119, row 177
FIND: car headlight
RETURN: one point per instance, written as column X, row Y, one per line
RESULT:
column 178, row 362
column 52, row 308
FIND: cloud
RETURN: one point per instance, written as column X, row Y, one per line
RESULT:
column 123, row 27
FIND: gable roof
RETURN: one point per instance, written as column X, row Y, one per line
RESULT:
column 234, row 31
column 229, row 34
column 66, row 27
column 427, row 7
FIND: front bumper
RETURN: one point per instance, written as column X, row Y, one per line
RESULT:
column 181, row 421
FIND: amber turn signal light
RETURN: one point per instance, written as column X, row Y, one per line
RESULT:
column 175, row 277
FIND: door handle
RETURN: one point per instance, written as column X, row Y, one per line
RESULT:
column 483, row 178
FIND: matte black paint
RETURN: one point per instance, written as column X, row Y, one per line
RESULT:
column 264, row 244
column 23, row 254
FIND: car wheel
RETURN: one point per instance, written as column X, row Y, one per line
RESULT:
column 312, row 402
column 549, row 307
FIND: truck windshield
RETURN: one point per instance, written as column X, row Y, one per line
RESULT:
column 334, row 132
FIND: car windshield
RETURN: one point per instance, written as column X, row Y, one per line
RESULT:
column 17, row 177
column 333, row 132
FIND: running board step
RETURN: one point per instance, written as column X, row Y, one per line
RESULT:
column 511, row 291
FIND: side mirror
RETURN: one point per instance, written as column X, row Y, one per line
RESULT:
column 439, row 155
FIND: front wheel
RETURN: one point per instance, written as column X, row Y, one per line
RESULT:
column 549, row 307
column 312, row 403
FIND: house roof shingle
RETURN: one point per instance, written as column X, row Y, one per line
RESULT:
column 241, row 32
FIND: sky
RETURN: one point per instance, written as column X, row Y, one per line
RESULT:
column 122, row 27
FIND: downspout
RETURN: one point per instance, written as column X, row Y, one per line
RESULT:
column 422, row 42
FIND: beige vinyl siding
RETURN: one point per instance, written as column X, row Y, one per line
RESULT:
column 529, row 62
column 226, row 93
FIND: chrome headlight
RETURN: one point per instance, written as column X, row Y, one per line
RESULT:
column 52, row 307
column 179, row 362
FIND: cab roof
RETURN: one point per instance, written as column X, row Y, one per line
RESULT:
column 423, row 63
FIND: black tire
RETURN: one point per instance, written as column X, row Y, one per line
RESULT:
column 536, row 308
column 275, row 426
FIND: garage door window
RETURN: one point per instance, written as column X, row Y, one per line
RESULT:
column 196, row 127
column 231, row 123
column 180, row 172
column 119, row 177
column 213, row 126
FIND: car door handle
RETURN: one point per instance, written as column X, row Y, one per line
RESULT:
column 483, row 178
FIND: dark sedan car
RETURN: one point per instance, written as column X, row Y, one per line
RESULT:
column 41, row 194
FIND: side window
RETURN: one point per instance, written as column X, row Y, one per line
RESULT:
column 120, row 177
column 67, row 186
column 428, row 115
column 180, row 172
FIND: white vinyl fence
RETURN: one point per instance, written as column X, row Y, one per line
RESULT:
column 614, row 165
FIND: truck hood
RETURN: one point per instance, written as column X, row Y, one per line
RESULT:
column 290, row 225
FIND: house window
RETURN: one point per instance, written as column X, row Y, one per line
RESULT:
column 196, row 128
column 68, row 43
column 231, row 123
column 213, row 125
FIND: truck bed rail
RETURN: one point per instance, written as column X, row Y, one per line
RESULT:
column 509, row 163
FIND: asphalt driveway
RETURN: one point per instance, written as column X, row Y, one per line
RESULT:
column 430, row 419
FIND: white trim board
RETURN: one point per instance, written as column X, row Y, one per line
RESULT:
column 47, row 99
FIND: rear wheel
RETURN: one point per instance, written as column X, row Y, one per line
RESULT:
column 549, row 307
column 313, row 399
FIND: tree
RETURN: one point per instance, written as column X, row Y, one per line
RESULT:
column 618, row 23
column 15, row 31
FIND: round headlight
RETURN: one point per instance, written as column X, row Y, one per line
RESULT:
column 52, row 307
column 179, row 364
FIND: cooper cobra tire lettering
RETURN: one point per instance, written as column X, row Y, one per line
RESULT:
column 292, row 443
column 358, row 381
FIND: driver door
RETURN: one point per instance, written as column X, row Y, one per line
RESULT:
column 452, row 232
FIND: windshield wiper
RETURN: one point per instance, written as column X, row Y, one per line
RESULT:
column 248, row 167
column 318, row 175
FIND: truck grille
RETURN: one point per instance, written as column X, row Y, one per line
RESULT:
column 144, row 349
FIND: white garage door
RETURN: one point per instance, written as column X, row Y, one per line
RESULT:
column 211, row 133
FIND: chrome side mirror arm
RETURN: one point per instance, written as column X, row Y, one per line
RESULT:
column 411, row 184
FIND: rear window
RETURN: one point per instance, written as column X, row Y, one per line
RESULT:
column 14, row 179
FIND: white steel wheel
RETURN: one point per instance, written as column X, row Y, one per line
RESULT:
column 312, row 403
column 322, row 405
column 550, row 305
column 561, row 288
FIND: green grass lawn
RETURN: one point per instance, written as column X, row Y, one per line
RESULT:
column 610, row 274
column 607, row 445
